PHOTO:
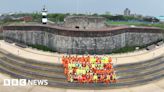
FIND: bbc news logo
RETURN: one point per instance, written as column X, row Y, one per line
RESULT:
column 24, row 82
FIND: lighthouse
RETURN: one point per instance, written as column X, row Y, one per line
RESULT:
column 44, row 15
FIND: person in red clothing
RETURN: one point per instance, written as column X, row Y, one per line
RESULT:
column 84, row 78
column 90, row 78
column 80, row 79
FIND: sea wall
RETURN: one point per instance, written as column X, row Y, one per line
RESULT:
column 80, row 41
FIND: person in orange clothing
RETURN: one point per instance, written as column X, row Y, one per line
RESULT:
column 69, row 78
column 90, row 77
column 108, row 66
column 98, row 60
column 83, row 59
column 108, row 79
column 97, row 71
column 109, row 71
column 73, row 58
column 65, row 71
column 88, row 58
column 65, row 63
column 74, row 70
column 63, row 59
column 102, row 78
column 110, row 60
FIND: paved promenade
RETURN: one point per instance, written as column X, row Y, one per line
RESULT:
column 157, row 86
column 29, row 53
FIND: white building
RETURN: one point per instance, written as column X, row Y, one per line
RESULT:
column 161, row 18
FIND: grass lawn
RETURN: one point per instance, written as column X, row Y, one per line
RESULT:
column 160, row 25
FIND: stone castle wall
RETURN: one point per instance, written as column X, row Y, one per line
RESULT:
column 85, row 22
column 81, row 42
column 1, row 32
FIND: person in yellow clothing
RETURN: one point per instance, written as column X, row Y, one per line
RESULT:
column 104, row 60
column 114, row 76
column 71, row 79
column 78, row 71
column 92, row 60
column 95, row 77
column 101, row 66
column 108, row 77
column 87, row 68
column 93, row 65
column 70, row 66
column 73, row 65
column 70, row 71
column 83, row 71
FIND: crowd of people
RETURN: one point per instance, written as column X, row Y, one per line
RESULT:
column 89, row 69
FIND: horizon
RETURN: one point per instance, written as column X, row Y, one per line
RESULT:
column 145, row 8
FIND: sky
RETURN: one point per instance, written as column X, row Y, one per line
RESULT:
column 144, row 7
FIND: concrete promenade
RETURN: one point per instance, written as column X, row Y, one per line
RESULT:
column 34, row 54
column 29, row 53
column 157, row 86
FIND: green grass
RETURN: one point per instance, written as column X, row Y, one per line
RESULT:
column 124, row 50
column 133, row 48
column 160, row 25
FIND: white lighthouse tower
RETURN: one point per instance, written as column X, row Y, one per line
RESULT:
column 44, row 15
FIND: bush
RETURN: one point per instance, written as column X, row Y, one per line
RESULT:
column 41, row 47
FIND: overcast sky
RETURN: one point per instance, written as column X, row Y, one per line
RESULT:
column 144, row 7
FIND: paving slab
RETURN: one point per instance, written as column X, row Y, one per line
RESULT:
column 72, row 90
column 157, row 86
column 15, row 89
column 160, row 83
column 47, row 89
column 114, row 90
column 146, row 88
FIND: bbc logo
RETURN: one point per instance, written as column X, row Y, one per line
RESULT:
column 24, row 82
column 14, row 82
